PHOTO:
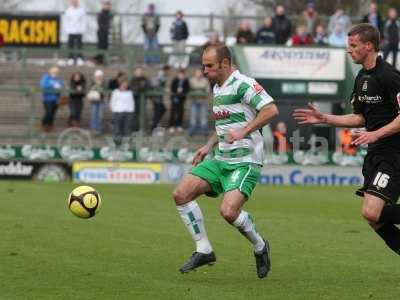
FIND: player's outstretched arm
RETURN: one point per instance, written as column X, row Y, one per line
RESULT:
column 368, row 137
column 312, row 115
column 203, row 151
column 264, row 116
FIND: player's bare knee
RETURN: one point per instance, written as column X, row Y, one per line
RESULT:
column 228, row 212
column 371, row 215
column 180, row 195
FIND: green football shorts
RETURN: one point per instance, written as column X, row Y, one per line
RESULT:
column 224, row 177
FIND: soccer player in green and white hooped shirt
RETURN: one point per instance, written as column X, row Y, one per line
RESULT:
column 241, row 107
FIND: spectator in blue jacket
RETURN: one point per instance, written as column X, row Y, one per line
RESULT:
column 179, row 34
column 266, row 33
column 338, row 37
column 51, row 85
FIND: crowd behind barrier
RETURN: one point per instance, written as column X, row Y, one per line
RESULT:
column 176, row 80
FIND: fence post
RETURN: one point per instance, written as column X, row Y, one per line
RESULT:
column 142, row 112
column 30, row 96
column 130, row 62
column 23, row 67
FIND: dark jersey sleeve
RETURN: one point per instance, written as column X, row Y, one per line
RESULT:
column 391, row 82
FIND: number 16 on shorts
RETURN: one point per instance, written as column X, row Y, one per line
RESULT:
column 381, row 180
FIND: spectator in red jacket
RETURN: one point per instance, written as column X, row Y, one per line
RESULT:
column 301, row 37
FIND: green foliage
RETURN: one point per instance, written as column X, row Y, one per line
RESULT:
column 321, row 247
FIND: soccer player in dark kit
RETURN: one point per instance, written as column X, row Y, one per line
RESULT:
column 376, row 106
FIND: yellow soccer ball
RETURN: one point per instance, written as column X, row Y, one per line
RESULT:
column 84, row 202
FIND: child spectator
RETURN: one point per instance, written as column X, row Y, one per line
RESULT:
column 301, row 37
column 122, row 107
column 51, row 85
column 321, row 37
column 77, row 87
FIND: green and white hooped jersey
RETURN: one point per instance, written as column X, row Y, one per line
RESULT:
column 235, row 105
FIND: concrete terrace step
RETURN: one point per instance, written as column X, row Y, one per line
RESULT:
column 18, row 113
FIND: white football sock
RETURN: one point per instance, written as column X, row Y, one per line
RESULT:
column 193, row 219
column 245, row 224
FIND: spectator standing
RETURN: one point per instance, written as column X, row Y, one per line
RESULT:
column 197, row 53
column 282, row 25
column 339, row 20
column 346, row 139
column 75, row 27
column 373, row 17
column 266, row 34
column 301, row 37
column 51, row 85
column 391, row 36
column 122, row 107
column 200, row 86
column 281, row 143
column 150, row 26
column 245, row 35
column 309, row 19
column 321, row 37
column 139, row 85
column 338, row 37
column 104, row 19
column 179, row 34
column 179, row 90
column 113, row 84
column 77, row 91
column 97, row 95
column 213, row 40
column 161, row 84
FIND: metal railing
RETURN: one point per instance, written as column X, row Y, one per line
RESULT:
column 26, row 104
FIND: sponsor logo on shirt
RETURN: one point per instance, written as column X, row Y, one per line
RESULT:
column 220, row 115
column 365, row 86
column 370, row 99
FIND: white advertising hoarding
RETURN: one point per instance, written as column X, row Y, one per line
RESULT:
column 296, row 63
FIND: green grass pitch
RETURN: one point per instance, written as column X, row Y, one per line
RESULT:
column 321, row 247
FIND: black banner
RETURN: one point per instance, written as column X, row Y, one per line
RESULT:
column 30, row 30
column 29, row 170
